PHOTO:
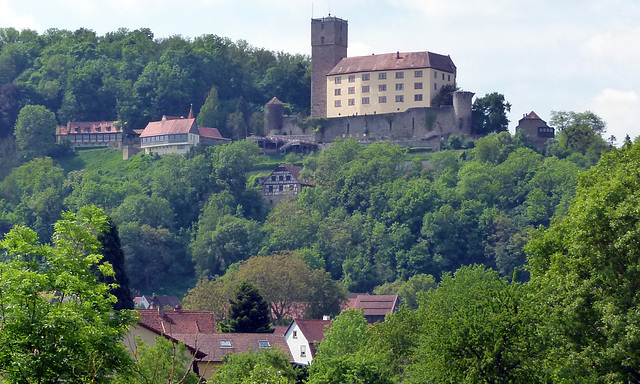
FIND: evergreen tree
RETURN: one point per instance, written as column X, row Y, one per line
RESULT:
column 249, row 312
column 113, row 254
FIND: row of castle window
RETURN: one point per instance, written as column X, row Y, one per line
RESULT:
column 280, row 178
column 282, row 188
column 95, row 137
column 383, row 76
column 381, row 100
column 381, row 88
column 174, row 138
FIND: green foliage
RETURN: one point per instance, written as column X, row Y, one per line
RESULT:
column 268, row 366
column 444, row 96
column 35, row 131
column 475, row 328
column 164, row 362
column 585, row 267
column 248, row 312
column 578, row 133
column 112, row 253
column 408, row 291
column 342, row 357
column 56, row 321
column 490, row 113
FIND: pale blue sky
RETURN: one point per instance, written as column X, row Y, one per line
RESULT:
column 543, row 56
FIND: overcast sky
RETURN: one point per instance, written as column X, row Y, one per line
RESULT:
column 547, row 55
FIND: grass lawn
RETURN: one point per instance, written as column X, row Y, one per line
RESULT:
column 99, row 159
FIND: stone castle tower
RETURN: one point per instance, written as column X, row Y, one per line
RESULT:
column 328, row 47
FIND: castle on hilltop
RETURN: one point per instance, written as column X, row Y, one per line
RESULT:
column 377, row 97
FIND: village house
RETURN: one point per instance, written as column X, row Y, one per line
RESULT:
column 90, row 134
column 217, row 346
column 375, row 307
column 157, row 301
column 536, row 130
column 283, row 182
column 303, row 336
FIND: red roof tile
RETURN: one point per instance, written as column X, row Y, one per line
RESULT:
column 178, row 321
column 394, row 61
column 240, row 342
column 79, row 127
column 313, row 330
column 209, row 132
column 170, row 127
column 375, row 305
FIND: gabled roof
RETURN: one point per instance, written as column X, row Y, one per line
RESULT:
column 170, row 127
column 212, row 133
column 294, row 170
column 375, row 305
column 531, row 116
column 177, row 321
column 80, row 127
column 312, row 329
column 394, row 61
column 239, row 343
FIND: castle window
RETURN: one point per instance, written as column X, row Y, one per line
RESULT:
column 435, row 86
column 337, row 103
column 288, row 177
column 382, row 99
column 281, row 188
column 399, row 87
column 352, row 101
column 443, row 76
column 417, row 97
column 417, row 74
column 399, row 99
column 352, row 90
column 322, row 39
column 366, row 77
column 337, row 91
column 365, row 100
column 448, row 77
column 382, row 76
column 435, row 74
column 382, row 87
column 417, row 86
column 365, row 88
column 337, row 80
column 352, row 78
column 399, row 75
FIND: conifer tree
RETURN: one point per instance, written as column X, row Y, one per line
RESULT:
column 249, row 312
column 113, row 254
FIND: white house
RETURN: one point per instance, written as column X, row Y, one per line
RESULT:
column 170, row 136
column 303, row 336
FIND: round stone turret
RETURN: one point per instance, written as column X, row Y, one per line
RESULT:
column 462, row 110
column 273, row 116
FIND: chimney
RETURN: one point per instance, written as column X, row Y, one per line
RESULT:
column 160, row 310
column 398, row 55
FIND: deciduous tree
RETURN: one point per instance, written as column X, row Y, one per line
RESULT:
column 35, row 131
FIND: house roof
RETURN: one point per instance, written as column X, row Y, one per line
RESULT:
column 212, row 133
column 313, row 330
column 394, row 61
column 170, row 127
column 294, row 170
column 79, row 127
column 177, row 321
column 274, row 101
column 531, row 116
column 239, row 343
column 375, row 305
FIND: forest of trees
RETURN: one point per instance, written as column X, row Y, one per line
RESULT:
column 513, row 265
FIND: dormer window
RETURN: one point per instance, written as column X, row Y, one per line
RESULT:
column 98, row 129
column 225, row 343
column 77, row 129
column 108, row 127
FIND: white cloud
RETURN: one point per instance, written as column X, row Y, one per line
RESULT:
column 10, row 18
column 619, row 109
column 613, row 47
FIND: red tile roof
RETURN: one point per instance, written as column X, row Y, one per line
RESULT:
column 394, row 61
column 531, row 116
column 170, row 127
column 374, row 305
column 240, row 342
column 79, row 127
column 209, row 132
column 313, row 330
column 177, row 321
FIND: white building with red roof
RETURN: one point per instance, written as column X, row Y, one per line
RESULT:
column 90, row 133
column 303, row 337
column 169, row 136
